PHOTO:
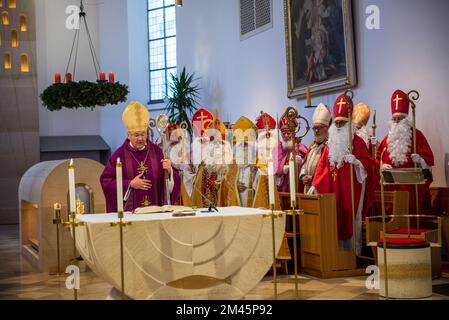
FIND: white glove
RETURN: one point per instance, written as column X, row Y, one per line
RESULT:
column 374, row 141
column 285, row 169
column 416, row 158
column 350, row 158
column 386, row 166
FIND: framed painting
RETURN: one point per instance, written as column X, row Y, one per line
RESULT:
column 320, row 46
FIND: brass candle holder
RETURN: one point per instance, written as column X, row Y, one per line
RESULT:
column 295, row 212
column 73, row 224
column 273, row 215
column 57, row 221
column 121, row 224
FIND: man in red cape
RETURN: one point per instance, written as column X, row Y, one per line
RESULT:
column 144, row 166
column 397, row 150
column 333, row 173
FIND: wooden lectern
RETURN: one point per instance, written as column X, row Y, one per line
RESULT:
column 320, row 255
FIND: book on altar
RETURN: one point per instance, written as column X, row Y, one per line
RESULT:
column 161, row 209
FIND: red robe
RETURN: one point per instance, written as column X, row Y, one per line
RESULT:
column 424, row 150
column 337, row 180
column 152, row 155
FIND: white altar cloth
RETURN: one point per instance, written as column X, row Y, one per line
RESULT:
column 208, row 256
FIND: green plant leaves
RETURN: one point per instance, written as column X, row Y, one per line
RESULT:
column 182, row 104
column 83, row 94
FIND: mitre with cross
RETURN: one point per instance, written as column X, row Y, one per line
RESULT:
column 400, row 103
column 341, row 108
column 201, row 120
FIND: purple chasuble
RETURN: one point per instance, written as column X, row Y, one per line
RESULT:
column 281, row 157
column 131, row 158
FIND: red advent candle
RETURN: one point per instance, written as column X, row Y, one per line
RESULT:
column 68, row 77
column 102, row 76
column 57, row 78
column 111, row 77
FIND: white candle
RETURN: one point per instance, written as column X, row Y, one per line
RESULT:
column 291, row 170
column 72, row 187
column 271, row 182
column 118, row 173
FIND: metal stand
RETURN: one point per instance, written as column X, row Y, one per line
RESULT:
column 58, row 221
column 72, row 223
column 121, row 224
column 274, row 215
column 293, row 212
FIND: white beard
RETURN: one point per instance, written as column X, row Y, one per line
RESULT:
column 338, row 144
column 179, row 154
column 287, row 145
column 365, row 133
column 399, row 141
column 217, row 155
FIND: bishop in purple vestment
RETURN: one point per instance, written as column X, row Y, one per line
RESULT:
column 145, row 182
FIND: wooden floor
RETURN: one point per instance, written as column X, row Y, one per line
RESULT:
column 18, row 280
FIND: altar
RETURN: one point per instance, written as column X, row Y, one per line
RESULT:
column 207, row 256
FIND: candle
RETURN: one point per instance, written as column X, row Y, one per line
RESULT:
column 291, row 170
column 111, row 77
column 57, row 78
column 309, row 100
column 271, row 182
column 57, row 208
column 68, row 77
column 102, row 76
column 72, row 186
column 118, row 173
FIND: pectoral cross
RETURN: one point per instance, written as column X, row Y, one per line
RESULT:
column 341, row 104
column 142, row 168
column 334, row 175
column 397, row 99
column 146, row 202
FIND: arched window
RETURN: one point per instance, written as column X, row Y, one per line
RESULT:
column 24, row 65
column 14, row 39
column 12, row 4
column 23, row 23
column 5, row 18
column 7, row 63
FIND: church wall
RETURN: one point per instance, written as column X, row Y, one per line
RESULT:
column 243, row 77
column 54, row 42
column 19, row 125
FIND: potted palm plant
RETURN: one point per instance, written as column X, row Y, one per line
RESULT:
column 183, row 100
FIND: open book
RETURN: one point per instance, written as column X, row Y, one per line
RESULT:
column 166, row 208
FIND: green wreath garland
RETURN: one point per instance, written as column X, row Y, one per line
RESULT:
column 83, row 94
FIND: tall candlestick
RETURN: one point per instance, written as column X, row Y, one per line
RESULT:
column 57, row 78
column 291, row 170
column 309, row 99
column 102, row 76
column 271, row 182
column 118, row 173
column 111, row 77
column 57, row 208
column 72, row 186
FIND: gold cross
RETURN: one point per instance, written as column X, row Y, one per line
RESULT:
column 397, row 99
column 341, row 104
column 142, row 167
column 334, row 175
column 146, row 202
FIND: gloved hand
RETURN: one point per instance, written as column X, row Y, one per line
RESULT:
column 285, row 169
column 374, row 141
column 350, row 158
column 416, row 158
column 386, row 166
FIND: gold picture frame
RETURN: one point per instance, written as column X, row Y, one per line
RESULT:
column 320, row 46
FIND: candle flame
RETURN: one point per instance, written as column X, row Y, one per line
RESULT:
column 57, row 206
column 71, row 166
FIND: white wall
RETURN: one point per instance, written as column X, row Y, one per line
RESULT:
column 54, row 42
column 242, row 78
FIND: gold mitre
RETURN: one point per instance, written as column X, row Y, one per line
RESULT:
column 360, row 114
column 244, row 130
column 322, row 115
column 136, row 117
